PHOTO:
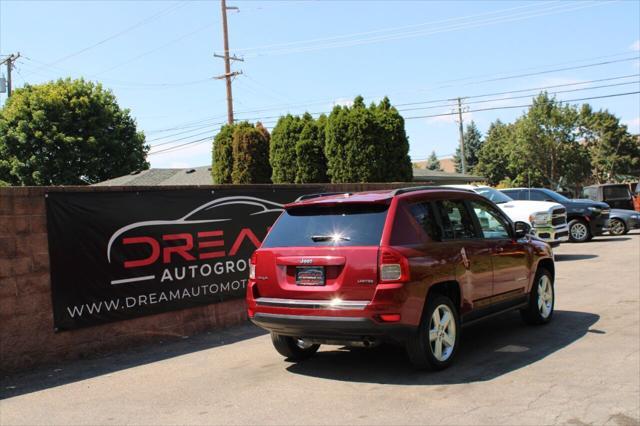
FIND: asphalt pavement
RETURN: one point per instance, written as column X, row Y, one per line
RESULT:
column 583, row 368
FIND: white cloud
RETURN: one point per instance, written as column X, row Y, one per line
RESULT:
column 635, row 46
column 633, row 125
column 342, row 102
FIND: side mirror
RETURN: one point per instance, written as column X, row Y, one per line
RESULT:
column 521, row 229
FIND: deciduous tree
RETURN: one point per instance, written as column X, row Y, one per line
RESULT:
column 67, row 132
column 612, row 149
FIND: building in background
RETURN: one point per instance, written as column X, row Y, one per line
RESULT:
column 446, row 164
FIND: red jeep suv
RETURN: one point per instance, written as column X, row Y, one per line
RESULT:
column 410, row 266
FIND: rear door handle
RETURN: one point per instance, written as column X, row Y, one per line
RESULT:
column 498, row 249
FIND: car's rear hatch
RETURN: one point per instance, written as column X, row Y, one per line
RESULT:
column 322, row 252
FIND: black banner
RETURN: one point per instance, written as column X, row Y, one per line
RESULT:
column 120, row 255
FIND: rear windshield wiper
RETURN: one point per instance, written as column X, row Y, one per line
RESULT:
column 318, row 238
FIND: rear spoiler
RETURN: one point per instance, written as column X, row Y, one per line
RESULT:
column 320, row 194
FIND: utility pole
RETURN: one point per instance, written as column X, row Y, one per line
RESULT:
column 461, row 130
column 228, row 75
column 10, row 60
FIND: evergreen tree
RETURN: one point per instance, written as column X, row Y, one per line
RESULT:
column 433, row 163
column 311, row 162
column 366, row 144
column 397, row 165
column 250, row 154
column 493, row 157
column 222, row 164
column 282, row 152
column 472, row 144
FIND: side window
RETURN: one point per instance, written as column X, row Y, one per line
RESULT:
column 455, row 219
column 406, row 231
column 534, row 195
column 493, row 225
column 422, row 212
column 590, row 193
column 514, row 193
column 616, row 192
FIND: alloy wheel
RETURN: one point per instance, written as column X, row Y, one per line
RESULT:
column 545, row 296
column 616, row 227
column 442, row 333
column 579, row 231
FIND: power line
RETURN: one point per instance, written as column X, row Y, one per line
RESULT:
column 171, row 149
column 524, row 90
column 515, row 17
column 208, row 126
column 596, row 64
column 148, row 52
column 144, row 21
column 524, row 105
column 529, row 95
column 211, row 135
column 384, row 30
column 119, row 83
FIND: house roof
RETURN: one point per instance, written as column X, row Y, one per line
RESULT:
column 157, row 177
column 202, row 176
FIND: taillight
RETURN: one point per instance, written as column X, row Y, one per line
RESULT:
column 394, row 267
column 252, row 267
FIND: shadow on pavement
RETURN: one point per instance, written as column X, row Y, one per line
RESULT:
column 76, row 370
column 488, row 350
column 608, row 239
column 564, row 257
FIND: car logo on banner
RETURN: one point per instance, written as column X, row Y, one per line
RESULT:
column 189, row 246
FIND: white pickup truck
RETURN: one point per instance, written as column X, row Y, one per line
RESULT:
column 548, row 220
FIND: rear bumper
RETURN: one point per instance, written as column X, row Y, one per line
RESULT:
column 331, row 327
column 633, row 224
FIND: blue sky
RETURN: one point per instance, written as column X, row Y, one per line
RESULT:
column 157, row 57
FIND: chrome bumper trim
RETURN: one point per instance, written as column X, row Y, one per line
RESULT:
column 313, row 304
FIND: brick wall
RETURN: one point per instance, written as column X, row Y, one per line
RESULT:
column 26, row 319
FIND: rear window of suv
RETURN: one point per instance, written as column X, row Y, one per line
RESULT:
column 341, row 225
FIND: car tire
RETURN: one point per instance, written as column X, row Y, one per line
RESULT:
column 579, row 231
column 617, row 227
column 434, row 346
column 292, row 348
column 541, row 299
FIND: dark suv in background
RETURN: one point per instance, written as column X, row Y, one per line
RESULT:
column 617, row 195
column 409, row 266
column 587, row 218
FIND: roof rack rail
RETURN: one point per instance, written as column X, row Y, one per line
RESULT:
column 422, row 188
column 319, row 194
